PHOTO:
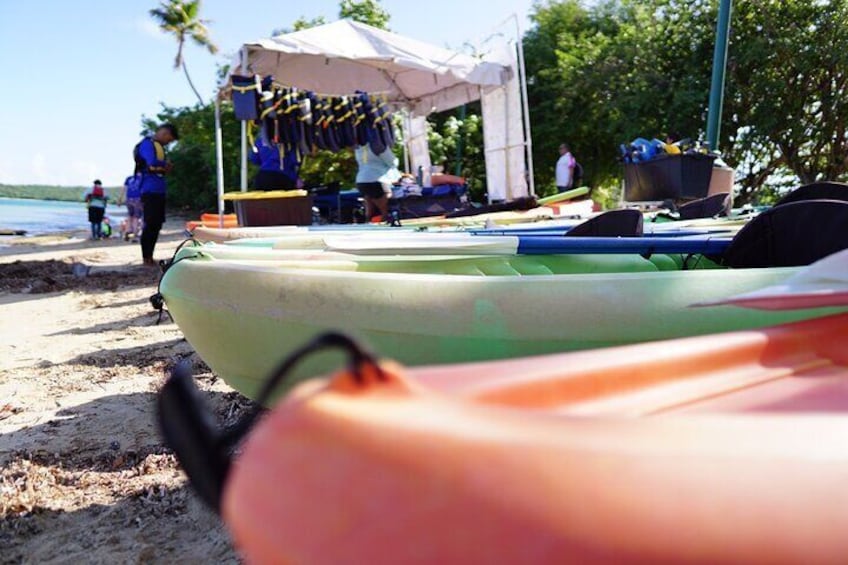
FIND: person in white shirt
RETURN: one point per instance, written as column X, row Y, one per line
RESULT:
column 374, row 178
column 565, row 169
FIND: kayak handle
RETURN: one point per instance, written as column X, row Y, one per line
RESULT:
column 191, row 430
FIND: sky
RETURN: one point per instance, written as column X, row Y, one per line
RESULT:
column 80, row 75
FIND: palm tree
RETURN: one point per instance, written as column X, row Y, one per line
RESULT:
column 180, row 18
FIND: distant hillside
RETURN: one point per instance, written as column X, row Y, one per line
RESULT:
column 41, row 192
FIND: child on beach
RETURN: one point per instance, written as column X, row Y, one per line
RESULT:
column 96, row 200
column 131, row 196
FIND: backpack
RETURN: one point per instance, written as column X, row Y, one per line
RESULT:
column 577, row 173
column 97, row 191
column 140, row 163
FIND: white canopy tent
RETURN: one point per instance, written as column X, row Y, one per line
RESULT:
column 342, row 57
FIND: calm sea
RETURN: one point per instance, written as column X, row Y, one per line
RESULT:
column 39, row 217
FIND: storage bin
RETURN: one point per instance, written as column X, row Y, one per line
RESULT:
column 675, row 177
column 274, row 211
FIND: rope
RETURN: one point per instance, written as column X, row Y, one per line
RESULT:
column 357, row 358
column 157, row 300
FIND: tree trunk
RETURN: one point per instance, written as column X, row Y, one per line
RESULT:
column 191, row 84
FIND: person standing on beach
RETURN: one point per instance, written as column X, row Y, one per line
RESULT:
column 131, row 197
column 565, row 169
column 96, row 200
column 152, row 166
column 374, row 177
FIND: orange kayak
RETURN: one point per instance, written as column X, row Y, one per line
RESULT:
column 213, row 221
column 730, row 447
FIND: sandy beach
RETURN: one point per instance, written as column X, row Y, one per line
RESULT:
column 84, row 475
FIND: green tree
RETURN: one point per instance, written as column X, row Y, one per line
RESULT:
column 604, row 74
column 601, row 76
column 369, row 12
column 181, row 18
column 786, row 103
column 299, row 24
column 456, row 143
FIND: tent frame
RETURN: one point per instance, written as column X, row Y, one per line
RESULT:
column 219, row 169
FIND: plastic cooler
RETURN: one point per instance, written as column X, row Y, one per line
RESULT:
column 273, row 208
column 676, row 177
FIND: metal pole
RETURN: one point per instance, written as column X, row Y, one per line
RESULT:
column 243, row 130
column 219, row 161
column 526, row 105
column 510, row 195
column 719, row 64
column 457, row 170
column 407, row 141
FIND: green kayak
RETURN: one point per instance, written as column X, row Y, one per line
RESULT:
column 243, row 316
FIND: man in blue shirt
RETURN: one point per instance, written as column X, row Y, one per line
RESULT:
column 278, row 167
column 152, row 166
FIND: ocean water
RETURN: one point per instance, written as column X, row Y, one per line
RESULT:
column 41, row 217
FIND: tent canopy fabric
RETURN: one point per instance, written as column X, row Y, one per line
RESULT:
column 344, row 56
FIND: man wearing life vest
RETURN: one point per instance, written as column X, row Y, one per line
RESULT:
column 152, row 166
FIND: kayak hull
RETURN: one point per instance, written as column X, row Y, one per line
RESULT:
column 243, row 317
column 725, row 448
column 483, row 265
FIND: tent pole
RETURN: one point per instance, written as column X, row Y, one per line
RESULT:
column 488, row 191
column 407, row 141
column 719, row 64
column 243, row 130
column 243, row 156
column 507, row 148
column 219, row 162
column 457, row 169
column 529, row 139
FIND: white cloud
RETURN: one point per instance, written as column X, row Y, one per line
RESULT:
column 68, row 172
column 5, row 170
column 84, row 172
column 38, row 169
column 150, row 29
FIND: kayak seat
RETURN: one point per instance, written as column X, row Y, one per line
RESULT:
column 709, row 207
column 825, row 190
column 519, row 204
column 330, row 189
column 790, row 235
column 615, row 223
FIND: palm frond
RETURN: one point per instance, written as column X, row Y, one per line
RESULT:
column 180, row 18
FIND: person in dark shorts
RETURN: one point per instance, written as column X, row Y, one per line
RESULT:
column 131, row 196
column 96, row 199
column 374, row 179
column 152, row 166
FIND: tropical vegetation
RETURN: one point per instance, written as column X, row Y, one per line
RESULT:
column 49, row 192
column 181, row 18
column 600, row 74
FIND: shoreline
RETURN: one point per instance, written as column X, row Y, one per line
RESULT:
column 84, row 475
